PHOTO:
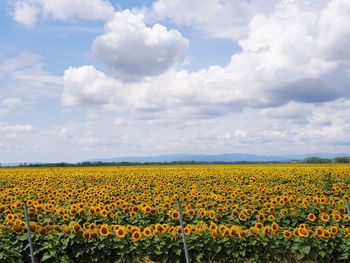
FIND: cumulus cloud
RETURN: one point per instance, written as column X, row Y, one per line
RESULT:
column 216, row 18
column 275, row 66
column 26, row 12
column 224, row 18
column 131, row 49
column 291, row 111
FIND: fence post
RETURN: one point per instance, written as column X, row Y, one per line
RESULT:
column 347, row 205
column 183, row 232
column 28, row 232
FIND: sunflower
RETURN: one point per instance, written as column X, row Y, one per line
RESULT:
column 147, row 209
column 346, row 218
column 174, row 215
column 104, row 230
column 284, row 212
column 18, row 228
column 132, row 214
column 319, row 231
column 77, row 228
column 242, row 233
column 103, row 213
column 259, row 225
column 92, row 210
column 66, row 229
column 242, row 217
column 326, row 234
column 42, row 230
column 271, row 218
column 32, row 226
column 212, row 214
column 214, row 234
column 274, row 227
column 261, row 217
column 324, row 217
column 296, row 232
column 147, row 232
column 94, row 233
column 254, row 230
column 287, row 234
column 235, row 212
column 336, row 217
column 72, row 211
column 311, row 217
column 120, row 232
column 267, row 230
column 303, row 232
column 92, row 226
column 159, row 228
column 87, row 234
column 191, row 212
column 10, row 217
column 334, row 230
column 136, row 235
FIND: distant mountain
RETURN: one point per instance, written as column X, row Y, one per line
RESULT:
column 205, row 158
column 209, row 158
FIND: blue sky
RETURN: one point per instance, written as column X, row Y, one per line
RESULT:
column 86, row 79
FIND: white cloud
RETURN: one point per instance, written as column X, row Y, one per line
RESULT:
column 237, row 134
column 16, row 128
column 276, row 66
column 286, row 88
column 292, row 110
column 13, row 131
column 7, row 105
column 216, row 18
column 120, row 121
column 86, row 85
column 82, row 9
column 131, row 49
column 26, row 12
column 224, row 18
column 65, row 132
column 25, row 76
column 4, row 146
column 88, row 141
column 22, row 60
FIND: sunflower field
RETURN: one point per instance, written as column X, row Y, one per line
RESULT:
column 232, row 213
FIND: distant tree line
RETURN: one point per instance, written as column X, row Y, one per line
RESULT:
column 340, row 159
column 309, row 160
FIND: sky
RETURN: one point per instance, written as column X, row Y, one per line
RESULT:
column 86, row 79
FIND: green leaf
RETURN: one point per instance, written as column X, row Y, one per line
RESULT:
column 64, row 259
column 46, row 256
column 306, row 250
column 22, row 237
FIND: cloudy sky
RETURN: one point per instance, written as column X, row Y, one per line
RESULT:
column 82, row 79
